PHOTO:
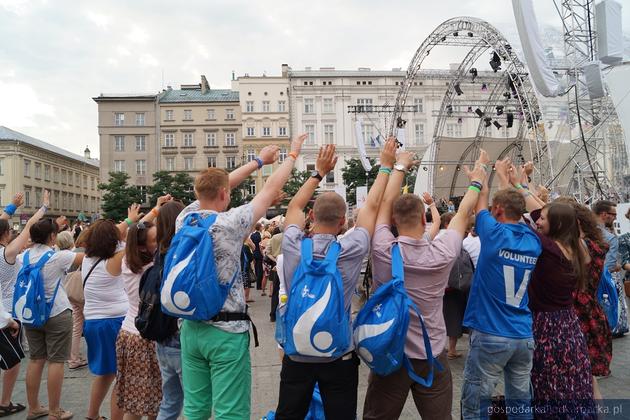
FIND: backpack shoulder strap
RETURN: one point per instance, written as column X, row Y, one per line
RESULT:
column 307, row 250
column 428, row 381
column 334, row 249
column 26, row 261
column 44, row 259
column 90, row 272
column 398, row 269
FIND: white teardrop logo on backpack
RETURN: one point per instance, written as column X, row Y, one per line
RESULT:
column 24, row 314
column 178, row 303
column 364, row 332
column 304, row 328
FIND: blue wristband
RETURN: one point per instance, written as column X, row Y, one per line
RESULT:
column 260, row 162
column 10, row 209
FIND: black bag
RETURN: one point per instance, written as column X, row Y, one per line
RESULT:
column 462, row 272
column 151, row 322
column 11, row 351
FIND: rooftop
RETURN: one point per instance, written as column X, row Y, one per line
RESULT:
column 125, row 97
column 7, row 134
column 189, row 94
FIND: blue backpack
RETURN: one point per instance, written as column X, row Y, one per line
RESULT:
column 607, row 286
column 380, row 328
column 29, row 299
column 190, row 284
column 314, row 318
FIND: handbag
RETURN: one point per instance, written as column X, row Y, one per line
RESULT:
column 75, row 284
column 11, row 351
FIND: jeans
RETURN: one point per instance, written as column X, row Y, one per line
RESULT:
column 170, row 358
column 488, row 358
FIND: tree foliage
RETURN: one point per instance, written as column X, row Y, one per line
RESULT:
column 354, row 176
column 180, row 186
column 240, row 195
column 118, row 196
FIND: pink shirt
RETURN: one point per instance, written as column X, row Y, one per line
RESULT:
column 427, row 267
column 132, row 286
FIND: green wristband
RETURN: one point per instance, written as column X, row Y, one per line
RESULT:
column 518, row 186
column 387, row 171
column 473, row 188
column 128, row 221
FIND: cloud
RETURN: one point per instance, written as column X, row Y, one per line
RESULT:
column 20, row 105
column 138, row 35
column 99, row 19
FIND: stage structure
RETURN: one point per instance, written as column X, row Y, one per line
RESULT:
column 512, row 103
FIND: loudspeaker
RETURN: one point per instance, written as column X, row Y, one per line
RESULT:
column 594, row 82
column 609, row 31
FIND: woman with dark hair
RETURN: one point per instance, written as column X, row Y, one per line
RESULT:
column 9, row 250
column 52, row 341
column 138, row 379
column 592, row 319
column 106, row 305
column 169, row 352
column 561, row 371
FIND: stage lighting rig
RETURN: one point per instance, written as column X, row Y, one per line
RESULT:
column 499, row 109
column 510, row 119
column 497, row 125
column 487, row 121
column 479, row 112
column 474, row 73
column 495, row 63
column 458, row 89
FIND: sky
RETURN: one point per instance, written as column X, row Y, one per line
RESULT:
column 56, row 55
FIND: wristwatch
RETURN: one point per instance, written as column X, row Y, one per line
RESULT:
column 400, row 167
column 315, row 174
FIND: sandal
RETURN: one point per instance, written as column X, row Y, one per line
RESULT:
column 452, row 356
column 7, row 410
column 97, row 418
column 61, row 414
column 81, row 364
column 42, row 412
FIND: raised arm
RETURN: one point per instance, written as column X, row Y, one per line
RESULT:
column 133, row 215
column 152, row 215
column 367, row 215
column 477, row 178
column 18, row 200
column 531, row 201
column 268, row 155
column 276, row 181
column 393, row 189
column 326, row 162
column 435, row 214
column 17, row 245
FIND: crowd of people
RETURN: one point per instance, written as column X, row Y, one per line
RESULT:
column 517, row 272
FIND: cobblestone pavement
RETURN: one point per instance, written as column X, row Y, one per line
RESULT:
column 266, row 375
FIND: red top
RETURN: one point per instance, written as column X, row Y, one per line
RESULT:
column 553, row 280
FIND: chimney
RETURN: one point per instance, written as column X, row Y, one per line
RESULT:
column 205, row 86
column 86, row 153
column 285, row 70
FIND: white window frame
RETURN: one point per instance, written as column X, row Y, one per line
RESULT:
column 419, row 134
column 229, row 114
column 329, row 106
column 282, row 131
column 266, row 131
column 309, row 106
column 169, row 115
column 141, row 143
column 189, row 164
column 329, row 134
column 189, row 139
column 119, row 143
column 249, row 106
column 212, row 161
column 230, row 139
column 211, row 114
column 266, row 106
column 309, row 129
column 140, row 119
column 418, row 104
column 119, row 119
column 169, row 139
column 211, row 139
column 170, row 164
column 251, row 131
column 251, row 155
column 141, row 167
column 230, row 162
column 27, row 167
column 188, row 115
column 283, row 154
column 119, row 166
column 365, row 104
column 282, row 106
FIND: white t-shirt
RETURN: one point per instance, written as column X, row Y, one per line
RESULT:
column 8, row 274
column 54, row 271
column 472, row 245
column 105, row 295
column 132, row 286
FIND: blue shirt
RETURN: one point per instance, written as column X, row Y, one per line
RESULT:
column 613, row 252
column 498, row 302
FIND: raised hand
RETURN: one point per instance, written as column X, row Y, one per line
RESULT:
column 502, row 168
column 326, row 160
column 61, row 221
column 269, row 154
column 388, row 154
column 479, row 172
column 515, row 176
column 280, row 197
column 133, row 212
column 296, row 144
column 46, row 199
column 426, row 197
column 18, row 199
column 163, row 200
column 528, row 168
column 407, row 159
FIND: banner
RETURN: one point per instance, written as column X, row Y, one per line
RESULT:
column 365, row 162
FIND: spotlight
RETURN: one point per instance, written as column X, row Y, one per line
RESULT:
column 484, row 87
column 470, row 109
column 458, row 89
column 479, row 112
column 443, row 39
column 508, row 48
column 497, row 125
column 550, row 124
column 449, row 110
column 455, row 33
column 458, row 168
column 441, row 168
column 499, row 109
column 460, row 120
column 470, row 34
column 474, row 73
column 424, row 168
column 495, row 63
column 510, row 119
column 507, row 95
column 400, row 123
column 487, row 121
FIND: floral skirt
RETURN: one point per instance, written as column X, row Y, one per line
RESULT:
column 561, row 371
column 138, row 379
